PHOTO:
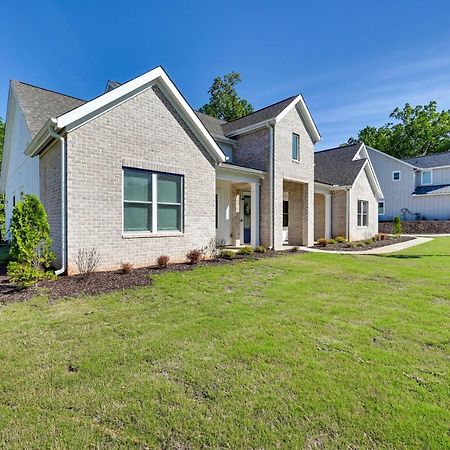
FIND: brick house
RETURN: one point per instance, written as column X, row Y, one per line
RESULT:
column 137, row 173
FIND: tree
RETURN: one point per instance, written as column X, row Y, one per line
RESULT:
column 419, row 131
column 224, row 102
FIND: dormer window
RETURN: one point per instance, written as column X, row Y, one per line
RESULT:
column 427, row 177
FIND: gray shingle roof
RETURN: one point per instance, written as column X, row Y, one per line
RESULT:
column 39, row 104
column 437, row 189
column 213, row 125
column 267, row 113
column 435, row 160
column 335, row 166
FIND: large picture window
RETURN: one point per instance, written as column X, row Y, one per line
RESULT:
column 363, row 213
column 153, row 202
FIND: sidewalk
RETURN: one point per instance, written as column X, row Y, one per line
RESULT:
column 374, row 251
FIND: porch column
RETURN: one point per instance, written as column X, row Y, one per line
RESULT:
column 328, row 216
column 254, row 199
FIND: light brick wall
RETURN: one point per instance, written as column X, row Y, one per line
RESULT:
column 301, row 171
column 143, row 132
column 319, row 216
column 338, row 213
column 362, row 190
column 50, row 194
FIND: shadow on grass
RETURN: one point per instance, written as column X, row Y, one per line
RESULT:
column 410, row 256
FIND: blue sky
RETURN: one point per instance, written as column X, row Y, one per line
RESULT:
column 354, row 61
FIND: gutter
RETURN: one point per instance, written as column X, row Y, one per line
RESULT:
column 347, row 224
column 62, row 140
column 271, row 174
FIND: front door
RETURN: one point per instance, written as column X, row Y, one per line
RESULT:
column 247, row 220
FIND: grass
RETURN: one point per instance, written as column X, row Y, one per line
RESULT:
column 301, row 351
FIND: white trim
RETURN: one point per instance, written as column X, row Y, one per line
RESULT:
column 384, row 208
column 358, row 215
column 421, row 177
column 399, row 175
column 99, row 105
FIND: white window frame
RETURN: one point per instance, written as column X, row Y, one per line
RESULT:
column 399, row 175
column 431, row 178
column 298, row 146
column 360, row 216
column 384, row 208
column 154, row 202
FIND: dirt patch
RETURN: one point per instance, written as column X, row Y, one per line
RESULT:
column 374, row 244
column 104, row 282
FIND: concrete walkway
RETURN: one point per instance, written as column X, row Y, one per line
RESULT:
column 374, row 251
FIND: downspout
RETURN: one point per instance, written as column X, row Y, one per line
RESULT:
column 63, row 200
column 347, row 225
column 271, row 172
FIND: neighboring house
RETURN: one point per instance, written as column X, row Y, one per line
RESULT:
column 346, row 193
column 414, row 188
column 137, row 173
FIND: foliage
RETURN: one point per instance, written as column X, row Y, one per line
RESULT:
column 87, row 260
column 332, row 241
column 260, row 249
column 418, row 131
column 162, row 261
column 126, row 268
column 24, row 274
column 214, row 246
column 30, row 234
column 322, row 242
column 224, row 102
column 340, row 239
column 294, row 249
column 194, row 256
column 246, row 250
column 227, row 254
column 397, row 225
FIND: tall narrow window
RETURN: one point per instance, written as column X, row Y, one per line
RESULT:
column 295, row 146
column 285, row 213
column 152, row 201
column 363, row 213
column 427, row 177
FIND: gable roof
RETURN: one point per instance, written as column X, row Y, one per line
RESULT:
column 38, row 104
column 429, row 161
column 439, row 189
column 212, row 124
column 74, row 118
column 336, row 166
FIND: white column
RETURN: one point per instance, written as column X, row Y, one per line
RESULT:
column 328, row 216
column 254, row 199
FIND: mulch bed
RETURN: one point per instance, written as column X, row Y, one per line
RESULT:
column 104, row 282
column 418, row 227
column 374, row 244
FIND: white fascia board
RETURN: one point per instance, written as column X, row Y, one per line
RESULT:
column 253, row 127
column 238, row 174
column 158, row 76
column 360, row 149
column 41, row 139
column 300, row 101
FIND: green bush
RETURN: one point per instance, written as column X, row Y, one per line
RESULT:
column 350, row 245
column 260, row 249
column 25, row 274
column 30, row 234
column 397, row 226
column 340, row 239
column 227, row 254
column 247, row 251
column 322, row 242
column 332, row 241
column 368, row 241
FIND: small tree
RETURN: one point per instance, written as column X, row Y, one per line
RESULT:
column 397, row 226
column 30, row 234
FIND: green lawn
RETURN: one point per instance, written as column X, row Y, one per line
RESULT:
column 301, row 351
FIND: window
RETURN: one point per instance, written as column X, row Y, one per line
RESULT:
column 152, row 201
column 427, row 177
column 295, row 146
column 363, row 213
column 285, row 213
column 396, row 175
column 381, row 208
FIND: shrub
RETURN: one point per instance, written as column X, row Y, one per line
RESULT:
column 214, row 246
column 126, row 268
column 87, row 260
column 227, row 254
column 294, row 249
column 163, row 261
column 25, row 274
column 340, row 239
column 383, row 237
column 260, row 249
column 194, row 256
column 368, row 241
column 359, row 244
column 322, row 242
column 332, row 241
column 397, row 226
column 30, row 234
column 350, row 245
column 247, row 251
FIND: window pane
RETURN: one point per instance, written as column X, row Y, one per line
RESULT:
column 169, row 188
column 295, row 146
column 381, row 208
column 169, row 217
column 137, row 217
column 137, row 186
column 365, row 207
column 359, row 207
column 426, row 177
column 396, row 175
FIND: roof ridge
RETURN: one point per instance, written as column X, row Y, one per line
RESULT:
column 49, row 90
column 338, row 147
column 265, row 107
